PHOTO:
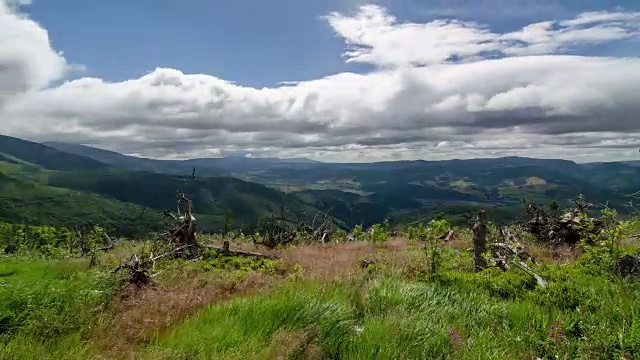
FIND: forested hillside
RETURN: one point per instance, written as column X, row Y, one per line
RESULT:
column 365, row 194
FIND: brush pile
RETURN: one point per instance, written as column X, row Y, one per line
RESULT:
column 508, row 251
column 550, row 227
column 282, row 231
column 179, row 241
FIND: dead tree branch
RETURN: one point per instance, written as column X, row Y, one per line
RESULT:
column 225, row 250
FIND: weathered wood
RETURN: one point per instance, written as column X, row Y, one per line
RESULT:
column 108, row 243
column 522, row 265
column 225, row 250
column 480, row 241
column 449, row 236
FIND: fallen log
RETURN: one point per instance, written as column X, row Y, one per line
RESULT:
column 225, row 250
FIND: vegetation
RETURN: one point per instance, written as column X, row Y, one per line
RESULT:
column 47, row 308
column 562, row 282
column 418, row 297
column 47, row 192
column 354, row 194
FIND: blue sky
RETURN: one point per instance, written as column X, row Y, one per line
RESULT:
column 256, row 42
column 372, row 79
column 250, row 41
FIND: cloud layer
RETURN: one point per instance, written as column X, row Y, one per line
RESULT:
column 437, row 90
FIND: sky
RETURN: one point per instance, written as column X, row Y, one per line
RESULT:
column 331, row 80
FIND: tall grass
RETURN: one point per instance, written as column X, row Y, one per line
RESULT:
column 45, row 307
column 400, row 319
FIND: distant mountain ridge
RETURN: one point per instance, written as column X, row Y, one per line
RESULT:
column 487, row 175
column 210, row 166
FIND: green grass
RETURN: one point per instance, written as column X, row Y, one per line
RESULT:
column 46, row 307
column 460, row 317
column 533, row 181
column 389, row 311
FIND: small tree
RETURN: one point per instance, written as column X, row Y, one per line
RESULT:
column 431, row 236
column 612, row 230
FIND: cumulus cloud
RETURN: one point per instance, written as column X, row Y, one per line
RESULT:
column 27, row 60
column 441, row 89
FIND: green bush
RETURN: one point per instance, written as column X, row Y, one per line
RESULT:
column 377, row 233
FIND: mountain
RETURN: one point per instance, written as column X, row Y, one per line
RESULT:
column 26, row 200
column 204, row 166
column 354, row 193
column 47, row 157
column 212, row 197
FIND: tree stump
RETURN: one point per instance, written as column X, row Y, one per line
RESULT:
column 480, row 241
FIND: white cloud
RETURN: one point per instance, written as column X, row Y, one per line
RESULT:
column 27, row 61
column 378, row 38
column 532, row 101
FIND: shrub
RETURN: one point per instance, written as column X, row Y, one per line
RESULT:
column 430, row 235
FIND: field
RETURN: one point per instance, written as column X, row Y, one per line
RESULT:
column 318, row 301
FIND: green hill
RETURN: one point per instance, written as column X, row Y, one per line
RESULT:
column 45, row 156
column 212, row 197
column 357, row 193
column 41, row 185
column 28, row 202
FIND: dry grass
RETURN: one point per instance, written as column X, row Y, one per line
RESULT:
column 327, row 261
column 633, row 240
column 462, row 241
column 141, row 314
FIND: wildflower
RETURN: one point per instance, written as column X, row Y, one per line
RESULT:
column 455, row 337
column 557, row 334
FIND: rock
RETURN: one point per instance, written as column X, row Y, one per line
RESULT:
column 366, row 263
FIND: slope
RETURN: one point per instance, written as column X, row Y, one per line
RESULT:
column 213, row 197
column 42, row 185
column 45, row 156
column 403, row 189
column 25, row 201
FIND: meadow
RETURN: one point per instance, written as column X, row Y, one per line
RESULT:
column 408, row 296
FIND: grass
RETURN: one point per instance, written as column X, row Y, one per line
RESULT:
column 391, row 318
column 46, row 307
column 462, row 184
column 319, row 303
column 392, row 312
column 533, row 181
